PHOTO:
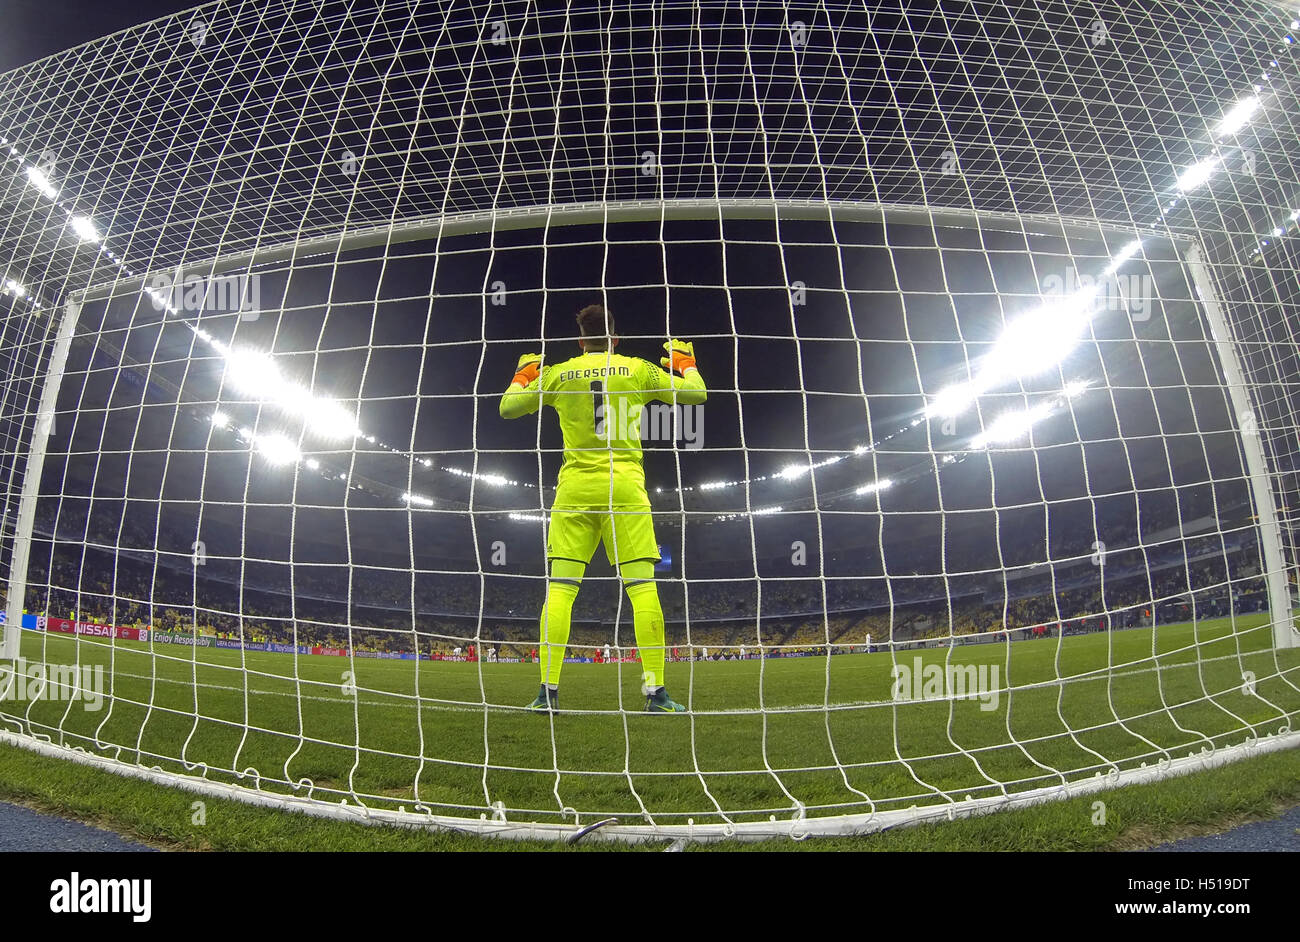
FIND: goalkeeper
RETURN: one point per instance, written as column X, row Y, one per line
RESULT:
column 600, row 496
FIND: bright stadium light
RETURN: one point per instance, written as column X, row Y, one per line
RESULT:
column 324, row 417
column 252, row 372
column 1197, row 174
column 1123, row 256
column 954, row 400
column 1011, row 426
column 417, row 500
column 220, row 419
column 277, row 449
column 14, row 288
column 312, row 464
column 792, row 471
column 1039, row 341
column 84, row 228
column 1076, row 388
column 42, row 182
column 883, row 484
column 1238, row 116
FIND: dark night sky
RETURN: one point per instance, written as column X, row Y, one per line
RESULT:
column 34, row 29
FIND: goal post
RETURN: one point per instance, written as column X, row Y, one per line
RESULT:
column 289, row 249
column 31, row 481
column 1252, row 446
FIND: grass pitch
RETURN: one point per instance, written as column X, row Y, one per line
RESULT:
column 761, row 735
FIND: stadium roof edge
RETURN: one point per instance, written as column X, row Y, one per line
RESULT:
column 574, row 214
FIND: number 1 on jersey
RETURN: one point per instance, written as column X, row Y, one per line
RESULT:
column 598, row 406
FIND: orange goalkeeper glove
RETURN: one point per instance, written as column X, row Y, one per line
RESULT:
column 528, row 369
column 681, row 356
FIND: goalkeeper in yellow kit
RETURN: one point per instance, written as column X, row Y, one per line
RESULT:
column 600, row 496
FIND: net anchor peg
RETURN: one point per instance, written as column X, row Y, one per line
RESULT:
column 796, row 820
column 583, row 832
column 499, row 811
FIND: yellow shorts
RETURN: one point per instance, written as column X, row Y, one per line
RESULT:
column 627, row 531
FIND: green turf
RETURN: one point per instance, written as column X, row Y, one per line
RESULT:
column 1135, row 816
column 274, row 719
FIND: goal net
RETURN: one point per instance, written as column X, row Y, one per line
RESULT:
column 990, row 501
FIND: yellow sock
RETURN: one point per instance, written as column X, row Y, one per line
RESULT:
column 647, row 620
column 557, row 616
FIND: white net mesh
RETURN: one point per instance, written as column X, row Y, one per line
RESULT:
column 990, row 500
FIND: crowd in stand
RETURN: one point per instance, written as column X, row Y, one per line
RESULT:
column 1176, row 581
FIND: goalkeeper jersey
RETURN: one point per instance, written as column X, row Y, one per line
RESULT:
column 598, row 397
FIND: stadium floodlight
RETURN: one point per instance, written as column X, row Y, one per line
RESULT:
column 277, row 449
column 1011, row 426
column 713, row 485
column 1076, row 388
column 1197, row 175
column 323, row 417
column 14, row 288
column 253, row 373
column 1238, row 116
column 220, row 419
column 792, row 471
column 882, row 485
column 39, row 180
column 956, row 399
column 312, row 464
column 1124, row 254
column 417, row 500
column 84, row 229
column 1041, row 340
